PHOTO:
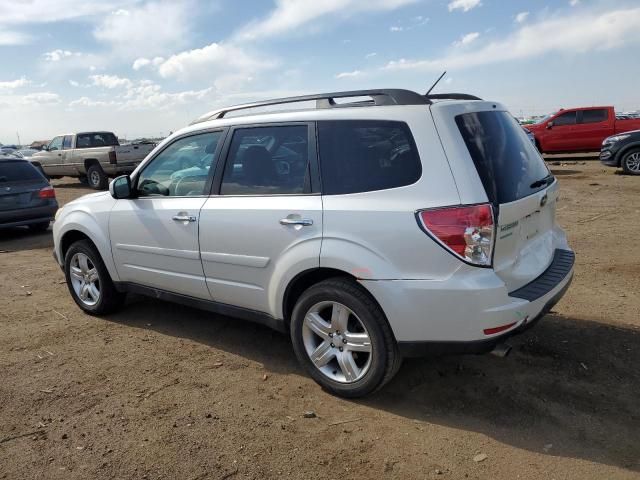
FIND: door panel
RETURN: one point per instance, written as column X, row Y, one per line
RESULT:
column 151, row 248
column 561, row 136
column 246, row 250
column 593, row 127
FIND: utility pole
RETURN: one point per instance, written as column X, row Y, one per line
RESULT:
column 18, row 135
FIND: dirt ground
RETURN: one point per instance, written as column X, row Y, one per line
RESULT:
column 165, row 391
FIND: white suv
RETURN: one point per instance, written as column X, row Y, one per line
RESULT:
column 395, row 225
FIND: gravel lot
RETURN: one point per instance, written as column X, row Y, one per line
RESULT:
column 165, row 391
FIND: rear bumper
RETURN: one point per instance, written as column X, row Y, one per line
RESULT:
column 451, row 315
column 27, row 216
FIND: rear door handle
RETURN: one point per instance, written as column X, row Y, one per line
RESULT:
column 305, row 222
column 184, row 218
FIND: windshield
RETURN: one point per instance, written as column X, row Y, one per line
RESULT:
column 509, row 165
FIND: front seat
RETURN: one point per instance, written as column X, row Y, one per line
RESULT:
column 258, row 168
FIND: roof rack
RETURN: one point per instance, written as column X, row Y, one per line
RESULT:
column 452, row 96
column 390, row 96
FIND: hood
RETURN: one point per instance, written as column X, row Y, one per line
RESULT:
column 89, row 198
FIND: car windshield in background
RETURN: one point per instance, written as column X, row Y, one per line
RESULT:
column 509, row 165
column 12, row 171
column 97, row 139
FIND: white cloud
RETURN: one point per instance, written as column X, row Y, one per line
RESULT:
column 13, row 84
column 41, row 98
column 290, row 15
column 572, row 34
column 145, row 62
column 370, row 55
column 152, row 28
column 464, row 5
column 57, row 55
column 216, row 60
column 110, row 81
column 396, row 28
column 10, row 38
column 87, row 102
column 521, row 17
column 73, row 83
column 355, row 73
column 467, row 39
column 573, row 3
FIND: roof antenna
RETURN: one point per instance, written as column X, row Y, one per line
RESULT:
column 436, row 83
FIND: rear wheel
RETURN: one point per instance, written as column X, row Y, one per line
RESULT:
column 96, row 178
column 631, row 162
column 88, row 280
column 342, row 338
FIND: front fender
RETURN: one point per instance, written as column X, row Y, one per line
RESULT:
column 96, row 228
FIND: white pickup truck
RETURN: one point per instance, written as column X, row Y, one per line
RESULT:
column 92, row 157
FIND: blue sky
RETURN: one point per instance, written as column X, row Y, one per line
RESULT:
column 143, row 68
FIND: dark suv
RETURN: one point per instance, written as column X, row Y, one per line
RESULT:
column 622, row 151
column 26, row 198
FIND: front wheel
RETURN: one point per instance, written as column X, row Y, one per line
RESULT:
column 631, row 162
column 88, row 280
column 342, row 338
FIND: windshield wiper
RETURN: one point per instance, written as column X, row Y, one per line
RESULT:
column 543, row 181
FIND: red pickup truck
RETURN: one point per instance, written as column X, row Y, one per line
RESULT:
column 579, row 129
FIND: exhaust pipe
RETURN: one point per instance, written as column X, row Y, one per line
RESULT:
column 501, row 350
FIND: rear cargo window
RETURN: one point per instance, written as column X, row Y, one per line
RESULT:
column 97, row 139
column 18, row 171
column 366, row 155
column 506, row 160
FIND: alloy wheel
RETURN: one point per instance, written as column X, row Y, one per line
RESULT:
column 337, row 342
column 85, row 279
column 633, row 162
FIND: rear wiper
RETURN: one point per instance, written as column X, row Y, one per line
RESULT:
column 543, row 181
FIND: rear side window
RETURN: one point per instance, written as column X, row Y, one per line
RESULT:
column 18, row 172
column 594, row 116
column 506, row 160
column 66, row 142
column 366, row 155
column 97, row 139
column 267, row 161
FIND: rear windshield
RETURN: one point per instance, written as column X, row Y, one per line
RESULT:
column 506, row 160
column 97, row 139
column 17, row 171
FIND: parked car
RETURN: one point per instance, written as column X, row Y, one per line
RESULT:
column 27, row 152
column 91, row 156
column 530, row 136
column 402, row 226
column 26, row 198
column 579, row 129
column 622, row 151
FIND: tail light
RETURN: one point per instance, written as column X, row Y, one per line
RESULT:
column 47, row 192
column 466, row 231
column 112, row 157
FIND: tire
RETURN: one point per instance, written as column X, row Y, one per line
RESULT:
column 96, row 178
column 365, row 322
column 39, row 227
column 107, row 299
column 631, row 162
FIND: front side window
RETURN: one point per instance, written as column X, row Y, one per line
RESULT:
column 267, row 161
column 181, row 169
column 568, row 118
column 594, row 116
column 56, row 144
column 366, row 155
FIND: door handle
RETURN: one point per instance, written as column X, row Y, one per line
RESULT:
column 305, row 222
column 184, row 218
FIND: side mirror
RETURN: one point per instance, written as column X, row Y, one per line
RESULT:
column 45, row 148
column 550, row 125
column 120, row 187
